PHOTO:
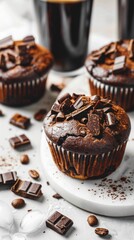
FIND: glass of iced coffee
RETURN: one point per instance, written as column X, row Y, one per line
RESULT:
column 64, row 29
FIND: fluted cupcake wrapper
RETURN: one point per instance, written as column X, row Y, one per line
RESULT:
column 86, row 166
column 123, row 96
column 22, row 92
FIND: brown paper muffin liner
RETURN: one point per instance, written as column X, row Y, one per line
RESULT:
column 123, row 96
column 86, row 166
column 22, row 93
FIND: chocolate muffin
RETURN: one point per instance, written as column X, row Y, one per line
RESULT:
column 24, row 66
column 110, row 71
column 87, row 136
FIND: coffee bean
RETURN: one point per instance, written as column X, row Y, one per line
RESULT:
column 92, row 220
column 18, row 203
column 101, row 231
column 34, row 174
column 24, row 159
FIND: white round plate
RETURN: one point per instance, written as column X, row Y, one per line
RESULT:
column 113, row 196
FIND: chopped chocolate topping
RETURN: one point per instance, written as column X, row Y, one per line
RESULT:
column 94, row 124
column 3, row 62
column 119, row 64
column 112, row 49
column 79, row 112
column 25, row 60
column 79, row 103
column 131, row 49
column 11, row 57
column 6, row 42
column 95, row 98
column 65, row 96
column 111, row 119
column 28, row 39
column 55, row 108
column 66, row 106
column 60, row 117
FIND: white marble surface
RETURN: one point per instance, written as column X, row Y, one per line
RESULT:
column 16, row 19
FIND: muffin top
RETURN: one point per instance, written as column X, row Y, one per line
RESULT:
column 113, row 64
column 23, row 59
column 91, row 125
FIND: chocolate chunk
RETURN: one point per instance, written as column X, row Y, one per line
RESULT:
column 66, row 106
column 25, row 60
column 59, row 223
column 28, row 39
column 11, row 57
column 98, row 55
column 131, row 49
column 60, row 117
column 33, row 174
column 79, row 113
column 93, row 124
column 78, row 103
column 24, row 159
column 95, row 98
column 3, row 62
column 6, row 42
column 108, row 109
column 57, row 196
column 8, row 178
column 40, row 115
column 55, row 108
column 57, row 87
column 119, row 64
column 1, row 113
column 92, row 220
column 75, row 95
column 27, row 189
column 19, row 141
column 20, row 121
column 98, row 105
column 18, row 203
column 65, row 96
column 110, row 119
column 101, row 231
column 22, row 48
column 112, row 49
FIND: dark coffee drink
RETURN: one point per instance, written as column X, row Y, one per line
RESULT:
column 65, row 30
column 126, row 19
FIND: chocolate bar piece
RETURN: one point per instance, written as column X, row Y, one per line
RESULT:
column 79, row 112
column 6, row 42
column 119, row 64
column 40, row 115
column 8, row 178
column 19, row 141
column 27, row 189
column 111, row 119
column 20, row 121
column 59, row 223
column 131, row 49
